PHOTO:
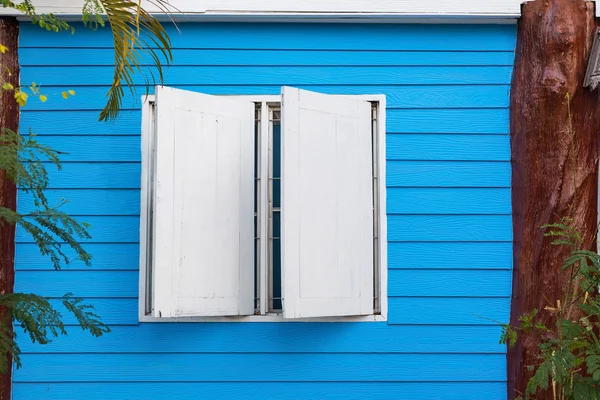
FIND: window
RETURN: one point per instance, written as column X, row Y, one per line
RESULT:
column 263, row 208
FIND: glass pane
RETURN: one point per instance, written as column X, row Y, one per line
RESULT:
column 276, row 217
column 276, row 274
column 276, row 163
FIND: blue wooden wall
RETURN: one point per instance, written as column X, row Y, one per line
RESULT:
column 448, row 201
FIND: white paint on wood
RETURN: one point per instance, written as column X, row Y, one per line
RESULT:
column 203, row 237
column 327, row 205
column 339, row 9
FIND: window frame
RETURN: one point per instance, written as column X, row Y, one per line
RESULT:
column 147, row 147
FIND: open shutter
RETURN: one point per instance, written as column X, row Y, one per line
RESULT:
column 327, row 205
column 204, row 205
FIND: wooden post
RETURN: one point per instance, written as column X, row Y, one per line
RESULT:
column 9, row 118
column 554, row 40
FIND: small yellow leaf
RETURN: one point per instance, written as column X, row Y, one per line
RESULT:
column 43, row 98
column 7, row 86
column 21, row 98
column 72, row 92
column 65, row 95
column 3, row 48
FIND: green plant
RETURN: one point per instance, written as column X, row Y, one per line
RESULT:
column 23, row 161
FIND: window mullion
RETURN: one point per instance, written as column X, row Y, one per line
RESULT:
column 264, row 208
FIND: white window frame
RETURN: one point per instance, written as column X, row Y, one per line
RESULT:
column 265, row 100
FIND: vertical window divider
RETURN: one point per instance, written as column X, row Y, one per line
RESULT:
column 375, row 160
column 264, row 208
column 269, row 268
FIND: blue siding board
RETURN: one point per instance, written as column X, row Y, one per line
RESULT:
column 104, row 229
column 449, row 121
column 264, row 390
column 91, row 283
column 449, row 283
column 88, row 201
column 60, row 76
column 450, row 255
column 448, row 310
column 397, row 96
column 408, row 282
column 448, row 201
column 447, row 147
column 488, row 38
column 449, row 228
column 195, row 57
column 448, row 204
column 251, row 367
column 105, row 256
column 448, row 174
column 113, row 311
column 289, row 337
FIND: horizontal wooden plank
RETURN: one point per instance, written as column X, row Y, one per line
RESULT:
column 399, row 174
column 102, row 56
column 450, row 255
column 432, row 228
column 448, row 201
column 88, row 201
column 112, row 311
column 401, row 310
column 302, row 36
column 96, row 176
column 400, row 147
column 105, row 229
column 415, row 283
column 471, row 121
column 281, row 75
column 448, row 147
column 262, row 391
column 90, row 283
column 285, row 337
column 114, row 256
column 428, row 255
column 94, row 148
column 397, row 96
column 460, row 121
column 285, row 367
column 448, row 174
column 450, row 228
column 449, row 283
column 448, row 311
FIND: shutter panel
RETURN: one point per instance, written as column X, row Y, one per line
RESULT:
column 204, row 196
column 327, row 205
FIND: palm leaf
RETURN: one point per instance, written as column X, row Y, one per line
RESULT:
column 135, row 31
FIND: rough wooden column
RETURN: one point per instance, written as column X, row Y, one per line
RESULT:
column 554, row 39
column 9, row 118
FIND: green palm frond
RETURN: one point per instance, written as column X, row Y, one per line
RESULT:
column 135, row 31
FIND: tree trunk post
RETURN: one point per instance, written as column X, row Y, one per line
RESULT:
column 9, row 118
column 553, row 45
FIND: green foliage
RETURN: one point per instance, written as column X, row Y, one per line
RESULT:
column 135, row 32
column 22, row 157
column 42, row 321
column 46, row 21
column 569, row 351
column 24, row 161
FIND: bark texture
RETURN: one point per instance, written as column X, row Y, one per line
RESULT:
column 554, row 41
column 9, row 118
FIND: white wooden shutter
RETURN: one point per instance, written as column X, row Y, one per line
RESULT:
column 327, row 205
column 203, row 238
